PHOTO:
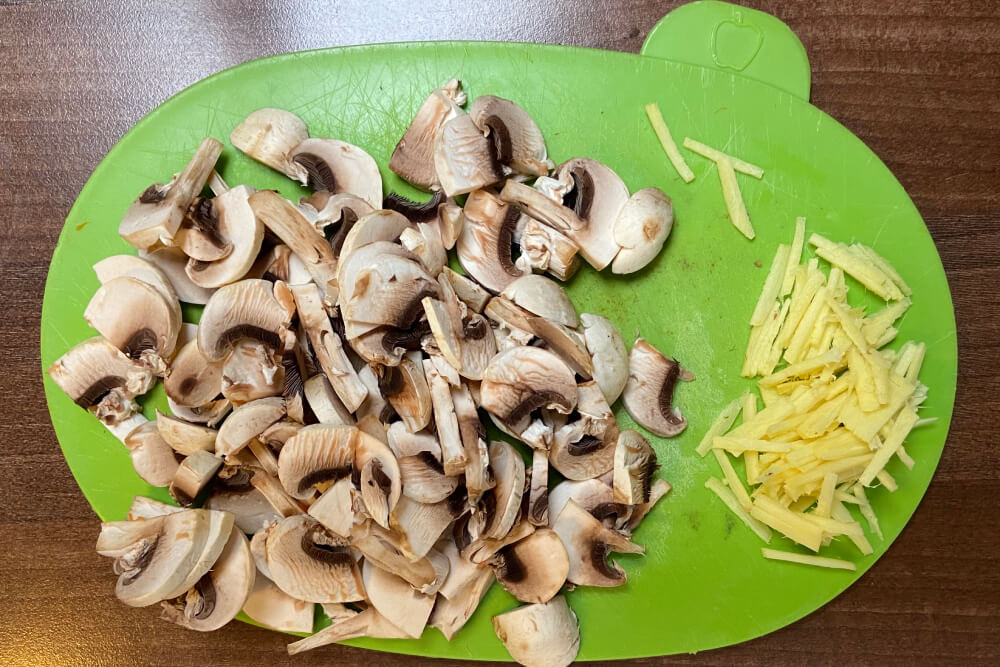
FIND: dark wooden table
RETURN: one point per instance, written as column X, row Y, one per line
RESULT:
column 917, row 80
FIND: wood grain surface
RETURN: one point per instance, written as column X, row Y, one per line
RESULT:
column 917, row 80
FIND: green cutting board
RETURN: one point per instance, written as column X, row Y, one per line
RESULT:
column 702, row 582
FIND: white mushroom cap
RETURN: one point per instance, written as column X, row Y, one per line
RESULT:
column 649, row 391
column 534, row 569
column 642, row 227
column 517, row 141
column 131, row 266
column 247, row 422
column 192, row 380
column 597, row 197
column 610, row 358
column 268, row 136
column 338, row 167
column 543, row 297
column 522, row 379
column 413, row 157
column 152, row 458
column 245, row 309
column 540, row 635
column 273, row 608
column 588, row 542
column 240, row 228
column 309, row 563
column 485, row 244
column 172, row 262
column 136, row 318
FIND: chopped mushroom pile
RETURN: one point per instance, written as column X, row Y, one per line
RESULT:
column 332, row 403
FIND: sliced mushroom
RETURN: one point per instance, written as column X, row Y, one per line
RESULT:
column 635, row 463
column 482, row 549
column 220, row 594
column 375, row 404
column 585, row 447
column 379, row 225
column 310, row 563
column 324, row 403
column 172, row 262
column 592, row 495
column 275, row 494
column 540, row 635
column 130, row 266
column 588, row 542
column 486, row 242
column 209, row 414
column 537, row 205
column 545, row 248
column 155, row 216
column 478, row 478
column 597, row 197
column 273, row 608
column 387, row 292
column 451, row 614
column 566, row 343
column 98, row 377
column 288, row 224
column 543, row 297
column 649, row 392
column 466, row 342
column 641, row 229
column 450, row 220
column 136, row 318
column 380, row 477
column 252, row 370
column 337, row 167
column 424, row 479
column 421, row 524
column 247, row 422
column 193, row 476
column 405, row 387
column 152, row 458
column 368, row 623
column 453, row 456
column 464, row 159
column 508, row 471
column 328, row 348
column 517, row 141
column 198, row 236
column 425, row 242
column 234, row 492
column 413, row 157
column 184, row 437
column 396, row 600
column 192, row 380
column 607, row 349
column 335, row 507
column 268, row 136
column 538, row 495
column 383, row 548
column 334, row 215
column 245, row 309
column 534, row 569
column 474, row 296
column 317, row 455
column 522, row 379
column 404, row 443
column 659, row 489
column 243, row 233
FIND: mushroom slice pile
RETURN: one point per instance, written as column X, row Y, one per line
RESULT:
column 332, row 403
column 649, row 392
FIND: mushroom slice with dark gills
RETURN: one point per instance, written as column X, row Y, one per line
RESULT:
column 597, row 197
column 97, row 376
column 245, row 309
column 413, row 157
column 385, row 346
column 220, row 594
column 522, row 379
column 635, row 463
column 517, row 142
column 585, row 447
column 464, row 338
column 537, row 511
column 588, row 543
column 338, row 167
column 253, row 370
column 233, row 492
column 316, row 457
column 545, row 248
column 130, row 266
column 137, row 319
column 424, row 479
column 385, row 549
column 464, row 159
column 567, row 343
column 323, row 401
column 641, row 229
column 649, row 392
column 607, row 351
column 310, row 563
column 387, row 291
column 405, row 387
column 540, row 635
column 486, row 242
column 482, row 549
column 541, row 207
column 334, row 216
column 237, row 225
column 420, row 525
column 592, row 495
column 152, row 458
column 193, row 476
column 327, row 346
column 184, row 437
column 505, row 498
column 534, row 569
column 192, row 380
column 414, row 211
column 396, row 600
column 247, row 422
column 155, row 216
column 628, row 524
column 269, row 136
column 380, row 478
column 288, row 224
column 198, row 236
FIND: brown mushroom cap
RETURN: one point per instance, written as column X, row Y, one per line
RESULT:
column 534, row 569
column 649, row 392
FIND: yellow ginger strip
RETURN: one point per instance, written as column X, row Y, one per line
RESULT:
column 794, row 257
column 667, row 141
column 717, row 156
column 790, row 524
column 900, row 429
column 824, row 504
column 727, row 497
column 841, row 513
column 883, row 265
column 806, row 559
column 732, row 479
column 864, row 272
column 772, row 285
column 721, row 424
column 876, row 326
column 739, row 445
column 805, row 368
column 734, row 199
column 888, row 481
column 866, row 510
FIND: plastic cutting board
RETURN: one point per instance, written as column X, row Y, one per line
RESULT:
column 733, row 78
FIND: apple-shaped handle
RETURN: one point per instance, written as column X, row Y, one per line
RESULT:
column 733, row 39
